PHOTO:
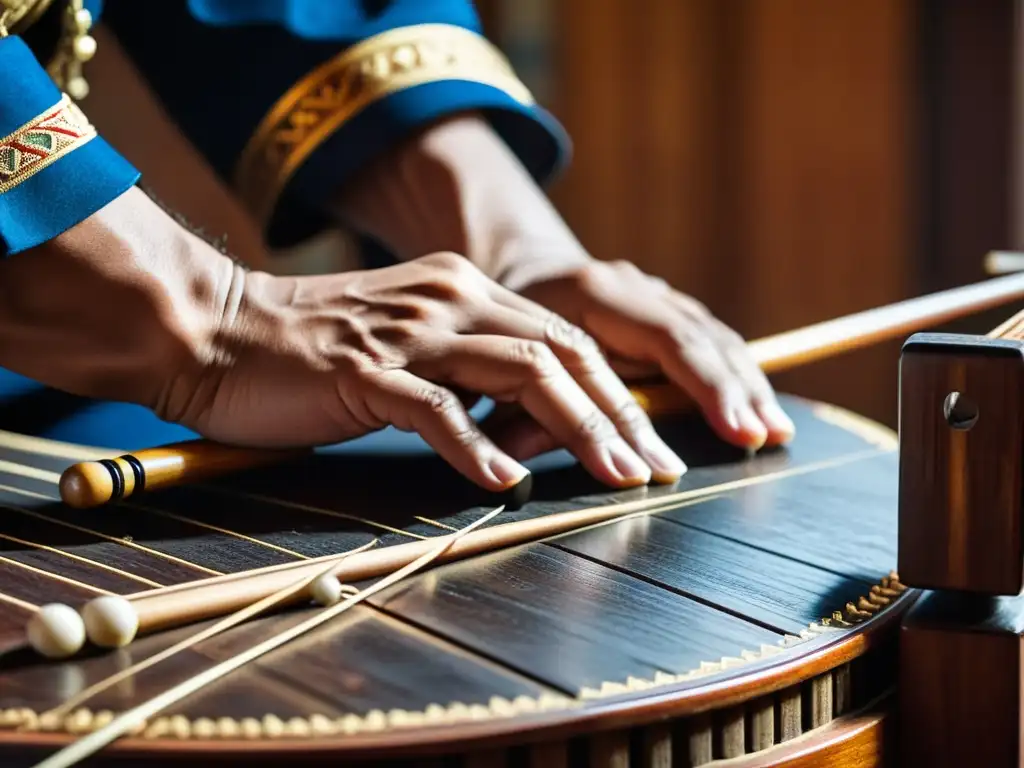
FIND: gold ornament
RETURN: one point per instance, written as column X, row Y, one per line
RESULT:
column 18, row 15
column 76, row 47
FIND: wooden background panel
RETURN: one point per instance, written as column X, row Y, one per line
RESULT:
column 824, row 216
column 759, row 155
column 639, row 93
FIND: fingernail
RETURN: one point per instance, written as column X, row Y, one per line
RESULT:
column 666, row 466
column 627, row 464
column 753, row 426
column 778, row 421
column 507, row 471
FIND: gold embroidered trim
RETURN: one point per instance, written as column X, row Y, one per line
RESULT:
column 16, row 16
column 319, row 104
column 83, row 720
column 43, row 140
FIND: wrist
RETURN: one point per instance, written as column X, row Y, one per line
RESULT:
column 115, row 307
column 457, row 187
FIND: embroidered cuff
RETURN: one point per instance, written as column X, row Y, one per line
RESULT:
column 54, row 170
column 368, row 97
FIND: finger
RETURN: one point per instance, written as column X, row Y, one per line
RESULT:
column 582, row 358
column 413, row 405
column 694, row 362
column 528, row 372
column 763, row 401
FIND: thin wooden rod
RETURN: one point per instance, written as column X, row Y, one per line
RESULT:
column 1004, row 262
column 169, row 607
column 94, row 483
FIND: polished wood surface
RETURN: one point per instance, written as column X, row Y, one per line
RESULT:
column 94, row 483
column 961, row 464
column 960, row 682
column 658, row 630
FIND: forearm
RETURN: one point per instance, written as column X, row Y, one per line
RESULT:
column 114, row 306
column 126, row 112
column 457, row 187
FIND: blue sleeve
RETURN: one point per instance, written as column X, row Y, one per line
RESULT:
column 289, row 98
column 54, row 170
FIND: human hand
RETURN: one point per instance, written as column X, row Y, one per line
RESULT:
column 129, row 306
column 318, row 360
column 647, row 328
column 458, row 187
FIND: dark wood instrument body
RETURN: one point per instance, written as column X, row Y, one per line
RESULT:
column 679, row 638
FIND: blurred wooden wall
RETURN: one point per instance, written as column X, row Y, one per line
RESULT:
column 778, row 159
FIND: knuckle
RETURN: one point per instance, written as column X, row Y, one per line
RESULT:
column 537, row 356
column 446, row 260
column 630, row 416
column 439, row 402
column 686, row 337
column 596, row 427
column 570, row 337
column 458, row 265
column 732, row 339
column 624, row 267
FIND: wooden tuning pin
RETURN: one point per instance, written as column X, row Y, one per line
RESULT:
column 961, row 503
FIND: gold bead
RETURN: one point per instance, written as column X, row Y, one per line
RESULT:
column 85, row 47
column 78, row 88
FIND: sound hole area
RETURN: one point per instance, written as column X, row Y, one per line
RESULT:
column 745, row 556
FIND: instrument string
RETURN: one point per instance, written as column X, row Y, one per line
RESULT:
column 55, row 576
column 82, row 529
column 215, row 528
column 221, row 626
column 676, row 498
column 314, row 510
column 135, row 717
column 85, row 560
column 1011, row 328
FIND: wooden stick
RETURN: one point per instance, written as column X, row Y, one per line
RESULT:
column 1004, row 262
column 93, row 483
column 169, row 607
column 136, row 716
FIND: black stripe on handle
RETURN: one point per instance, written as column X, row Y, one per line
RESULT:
column 115, row 477
column 138, row 470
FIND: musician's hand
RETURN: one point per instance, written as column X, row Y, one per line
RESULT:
column 129, row 306
column 647, row 328
column 324, row 359
column 458, row 187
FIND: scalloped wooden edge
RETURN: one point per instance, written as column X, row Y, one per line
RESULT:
column 180, row 727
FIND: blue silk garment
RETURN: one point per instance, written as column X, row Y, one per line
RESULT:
column 286, row 99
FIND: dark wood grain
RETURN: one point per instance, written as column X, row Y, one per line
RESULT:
column 366, row 661
column 764, row 588
column 837, row 519
column 711, row 578
column 960, row 489
column 42, row 587
column 568, row 621
column 347, row 478
column 960, row 681
column 114, row 553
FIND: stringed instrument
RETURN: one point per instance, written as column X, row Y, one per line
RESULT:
column 346, row 606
